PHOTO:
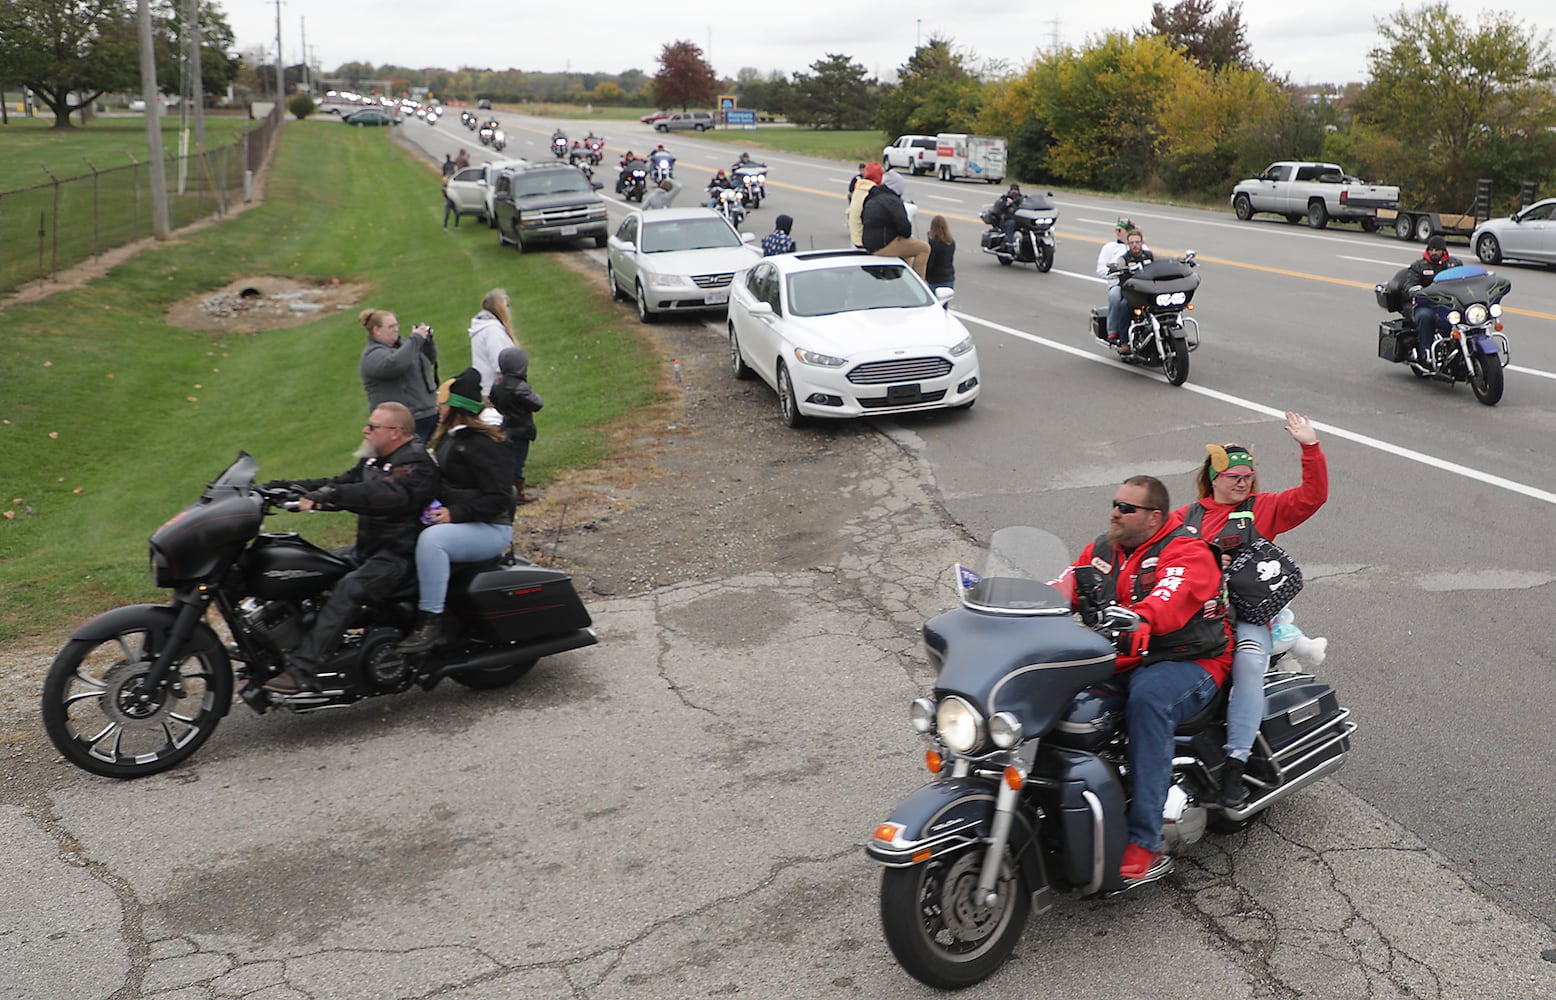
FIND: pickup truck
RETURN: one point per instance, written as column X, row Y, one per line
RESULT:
column 913, row 153
column 1319, row 192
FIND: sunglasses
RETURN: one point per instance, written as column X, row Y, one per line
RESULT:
column 1129, row 508
column 379, row 427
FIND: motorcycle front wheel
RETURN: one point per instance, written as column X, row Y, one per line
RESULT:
column 937, row 928
column 1175, row 363
column 1045, row 258
column 1486, row 378
column 97, row 717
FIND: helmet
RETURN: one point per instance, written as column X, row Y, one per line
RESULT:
column 720, row 173
column 660, row 146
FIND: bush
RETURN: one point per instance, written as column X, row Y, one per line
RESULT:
column 300, row 105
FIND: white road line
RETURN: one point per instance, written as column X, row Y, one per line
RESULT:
column 941, row 197
column 1409, row 454
column 1531, row 371
column 1371, row 260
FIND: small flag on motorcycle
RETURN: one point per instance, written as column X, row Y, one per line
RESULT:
column 966, row 579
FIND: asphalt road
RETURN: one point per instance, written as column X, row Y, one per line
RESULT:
column 1428, row 569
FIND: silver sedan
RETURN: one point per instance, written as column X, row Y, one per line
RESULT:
column 676, row 260
column 1528, row 234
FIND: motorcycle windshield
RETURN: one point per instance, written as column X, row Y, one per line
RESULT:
column 1024, row 572
column 239, row 475
column 1459, row 286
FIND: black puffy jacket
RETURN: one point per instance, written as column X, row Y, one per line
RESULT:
column 884, row 218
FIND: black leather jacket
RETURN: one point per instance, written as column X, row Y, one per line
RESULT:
column 387, row 493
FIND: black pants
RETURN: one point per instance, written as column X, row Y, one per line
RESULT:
column 375, row 580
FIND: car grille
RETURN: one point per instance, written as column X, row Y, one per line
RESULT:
column 878, row 402
column 714, row 280
column 905, row 370
column 566, row 216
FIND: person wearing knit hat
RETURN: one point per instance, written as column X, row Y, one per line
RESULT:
column 517, row 401
column 471, row 516
column 1434, row 260
column 1228, row 489
column 870, row 178
column 779, row 241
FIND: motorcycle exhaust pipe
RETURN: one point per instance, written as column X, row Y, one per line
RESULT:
column 1322, row 770
column 510, row 654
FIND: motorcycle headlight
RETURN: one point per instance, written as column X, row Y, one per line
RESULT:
column 761, row 178
column 1476, row 314
column 1496, row 308
column 1005, row 730
column 1178, row 298
column 813, row 358
column 1454, row 317
column 959, row 725
column 922, row 715
column 962, row 348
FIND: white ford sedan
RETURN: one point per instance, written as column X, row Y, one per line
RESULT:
column 842, row 333
column 676, row 260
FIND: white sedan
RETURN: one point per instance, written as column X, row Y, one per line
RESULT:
column 842, row 333
column 676, row 260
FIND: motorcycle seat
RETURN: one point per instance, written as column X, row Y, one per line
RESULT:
column 1212, row 712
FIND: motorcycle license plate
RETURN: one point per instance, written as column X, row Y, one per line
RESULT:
column 717, row 298
column 569, row 230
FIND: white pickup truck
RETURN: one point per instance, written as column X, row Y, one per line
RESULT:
column 1318, row 192
column 913, row 153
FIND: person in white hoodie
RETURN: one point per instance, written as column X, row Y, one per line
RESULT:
column 1109, row 255
column 491, row 333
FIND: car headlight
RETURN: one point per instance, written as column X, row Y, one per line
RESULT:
column 814, row 358
column 667, row 280
column 1476, row 314
column 959, row 725
column 962, row 348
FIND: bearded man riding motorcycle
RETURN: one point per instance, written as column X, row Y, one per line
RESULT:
column 1173, row 665
column 1435, row 259
column 386, row 489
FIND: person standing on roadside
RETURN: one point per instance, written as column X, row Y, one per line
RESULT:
column 491, row 333
column 461, row 160
column 448, row 167
column 941, row 271
column 518, row 402
column 398, row 369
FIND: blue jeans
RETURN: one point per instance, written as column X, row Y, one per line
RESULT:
column 520, row 448
column 449, row 209
column 1426, row 329
column 1118, row 312
column 441, row 544
column 1161, row 696
column 1010, row 230
column 1245, row 708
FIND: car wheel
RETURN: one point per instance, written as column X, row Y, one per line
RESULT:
column 700, row 127
column 642, row 299
column 517, row 241
column 1370, row 225
column 1317, row 214
column 601, row 241
column 617, row 295
column 1242, row 207
column 788, row 406
column 737, row 363
column 1488, row 249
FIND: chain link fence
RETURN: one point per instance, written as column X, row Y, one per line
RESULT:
column 50, row 227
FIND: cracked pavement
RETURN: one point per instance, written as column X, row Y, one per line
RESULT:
column 679, row 811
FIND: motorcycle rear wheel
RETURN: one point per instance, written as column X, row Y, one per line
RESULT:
column 938, row 932
column 1175, row 363
column 1486, row 378
column 93, row 717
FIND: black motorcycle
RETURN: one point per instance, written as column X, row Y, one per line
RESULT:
column 750, row 179
column 1469, row 345
column 633, row 183
column 138, row 689
column 487, row 131
column 1029, row 753
column 1158, row 294
column 559, row 146
column 1034, row 238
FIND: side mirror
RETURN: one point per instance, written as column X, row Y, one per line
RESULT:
column 625, row 246
column 596, row 185
column 943, row 294
column 748, row 237
column 761, row 309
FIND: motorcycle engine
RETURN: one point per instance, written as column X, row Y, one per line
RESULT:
column 276, row 625
column 1183, row 819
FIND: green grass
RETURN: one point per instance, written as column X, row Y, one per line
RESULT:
column 575, row 111
column 851, row 147
column 32, row 144
column 113, row 420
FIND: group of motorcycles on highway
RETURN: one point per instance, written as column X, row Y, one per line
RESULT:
column 486, row 129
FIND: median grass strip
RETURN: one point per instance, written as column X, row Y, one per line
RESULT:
column 113, row 420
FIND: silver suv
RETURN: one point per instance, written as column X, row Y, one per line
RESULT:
column 699, row 120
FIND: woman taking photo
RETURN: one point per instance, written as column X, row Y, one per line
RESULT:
column 472, row 517
column 398, row 369
column 1227, row 481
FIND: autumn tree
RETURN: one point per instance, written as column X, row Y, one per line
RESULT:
column 684, row 77
column 1457, row 102
column 834, row 94
column 69, row 48
column 1212, row 41
column 936, row 91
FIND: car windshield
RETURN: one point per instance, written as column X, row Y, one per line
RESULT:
column 549, row 182
column 687, row 234
column 849, row 289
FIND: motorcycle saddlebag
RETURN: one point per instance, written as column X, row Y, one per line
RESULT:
column 1099, row 322
column 518, row 603
column 994, row 239
column 1295, row 707
column 1395, row 339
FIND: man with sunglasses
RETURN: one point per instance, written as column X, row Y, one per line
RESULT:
column 1173, row 665
column 394, row 479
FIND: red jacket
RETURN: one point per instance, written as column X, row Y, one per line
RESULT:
column 1273, row 512
column 1187, row 580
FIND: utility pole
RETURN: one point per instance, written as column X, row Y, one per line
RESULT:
column 148, row 85
column 307, row 77
column 280, row 63
column 197, row 84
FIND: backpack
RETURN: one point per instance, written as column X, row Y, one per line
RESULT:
column 1262, row 577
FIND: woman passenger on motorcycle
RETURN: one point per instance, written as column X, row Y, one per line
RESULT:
column 1226, row 479
column 475, row 519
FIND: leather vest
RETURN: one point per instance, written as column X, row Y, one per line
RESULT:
column 1206, row 635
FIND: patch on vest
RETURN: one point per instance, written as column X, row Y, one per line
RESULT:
column 1101, row 565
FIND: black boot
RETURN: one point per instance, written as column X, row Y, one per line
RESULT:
column 519, row 496
column 427, row 635
column 297, row 677
column 1234, row 794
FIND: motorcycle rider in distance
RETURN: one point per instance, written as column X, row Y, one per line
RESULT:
column 744, row 161
column 662, row 158
column 559, row 140
column 1106, row 257
column 1134, row 255
column 628, row 163
column 1005, row 210
column 392, row 481
column 1173, row 665
column 1434, row 260
column 717, row 185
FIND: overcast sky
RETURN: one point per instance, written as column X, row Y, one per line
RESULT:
column 1313, row 41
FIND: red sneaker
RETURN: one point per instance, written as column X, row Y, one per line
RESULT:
column 1137, row 862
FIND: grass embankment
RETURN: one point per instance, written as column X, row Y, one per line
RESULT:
column 114, row 420
column 33, row 145
column 852, row 147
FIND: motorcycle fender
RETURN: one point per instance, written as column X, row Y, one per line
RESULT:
column 1483, row 343
column 948, row 815
column 136, row 616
